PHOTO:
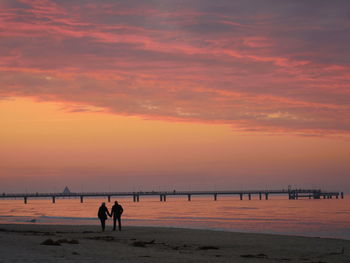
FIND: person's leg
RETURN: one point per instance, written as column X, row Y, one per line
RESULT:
column 119, row 224
column 103, row 224
column 114, row 222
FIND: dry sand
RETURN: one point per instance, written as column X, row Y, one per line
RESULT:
column 23, row 243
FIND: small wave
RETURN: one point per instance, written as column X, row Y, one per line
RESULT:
column 226, row 208
column 63, row 218
column 247, row 208
column 67, row 218
column 227, row 218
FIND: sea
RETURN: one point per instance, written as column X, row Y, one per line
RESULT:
column 328, row 218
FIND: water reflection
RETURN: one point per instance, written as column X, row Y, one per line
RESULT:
column 325, row 218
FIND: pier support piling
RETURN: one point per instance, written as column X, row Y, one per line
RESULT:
column 262, row 193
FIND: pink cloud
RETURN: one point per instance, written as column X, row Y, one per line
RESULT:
column 256, row 68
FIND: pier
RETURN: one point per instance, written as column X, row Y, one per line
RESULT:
column 292, row 194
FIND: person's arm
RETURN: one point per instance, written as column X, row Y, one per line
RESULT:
column 108, row 212
column 112, row 211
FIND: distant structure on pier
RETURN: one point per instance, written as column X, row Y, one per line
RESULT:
column 66, row 191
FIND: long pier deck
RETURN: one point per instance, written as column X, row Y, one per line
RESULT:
column 261, row 194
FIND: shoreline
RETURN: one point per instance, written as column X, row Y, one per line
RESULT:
column 86, row 243
column 109, row 227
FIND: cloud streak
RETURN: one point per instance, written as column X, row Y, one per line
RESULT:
column 258, row 66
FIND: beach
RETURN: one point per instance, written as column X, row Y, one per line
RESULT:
column 72, row 243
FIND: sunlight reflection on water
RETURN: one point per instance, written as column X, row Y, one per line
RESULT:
column 324, row 218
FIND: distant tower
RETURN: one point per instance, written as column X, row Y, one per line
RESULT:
column 66, row 190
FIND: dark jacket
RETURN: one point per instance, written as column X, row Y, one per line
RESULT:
column 103, row 212
column 117, row 210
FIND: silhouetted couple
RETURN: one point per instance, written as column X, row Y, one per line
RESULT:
column 116, row 213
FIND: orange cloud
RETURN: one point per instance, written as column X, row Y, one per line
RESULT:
column 257, row 68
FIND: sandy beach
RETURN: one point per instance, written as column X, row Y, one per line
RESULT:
column 52, row 243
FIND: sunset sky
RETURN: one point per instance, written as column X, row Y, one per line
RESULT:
column 160, row 95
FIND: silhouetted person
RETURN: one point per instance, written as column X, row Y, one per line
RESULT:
column 117, row 211
column 102, row 215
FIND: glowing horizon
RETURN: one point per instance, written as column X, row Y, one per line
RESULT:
column 174, row 94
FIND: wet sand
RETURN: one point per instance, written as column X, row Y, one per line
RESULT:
column 52, row 243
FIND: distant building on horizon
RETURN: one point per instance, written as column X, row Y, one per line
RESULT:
column 66, row 190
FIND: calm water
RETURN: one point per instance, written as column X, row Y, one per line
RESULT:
column 323, row 218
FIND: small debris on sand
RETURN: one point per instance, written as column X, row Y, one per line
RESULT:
column 207, row 247
column 142, row 243
column 104, row 238
column 68, row 241
column 50, row 242
column 254, row 256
